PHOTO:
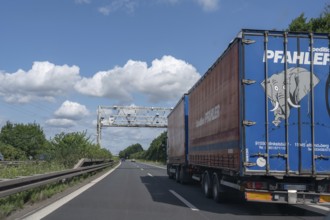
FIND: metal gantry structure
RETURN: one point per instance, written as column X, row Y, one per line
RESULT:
column 131, row 116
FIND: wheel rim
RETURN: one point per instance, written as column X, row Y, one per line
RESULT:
column 177, row 175
column 206, row 188
column 215, row 190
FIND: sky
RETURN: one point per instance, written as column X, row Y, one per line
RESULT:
column 61, row 59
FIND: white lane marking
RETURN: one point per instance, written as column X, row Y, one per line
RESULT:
column 164, row 168
column 320, row 207
column 149, row 174
column 191, row 206
column 52, row 207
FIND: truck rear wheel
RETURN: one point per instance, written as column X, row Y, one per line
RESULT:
column 177, row 174
column 207, row 184
column 217, row 189
column 170, row 175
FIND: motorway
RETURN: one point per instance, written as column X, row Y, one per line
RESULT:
column 142, row 192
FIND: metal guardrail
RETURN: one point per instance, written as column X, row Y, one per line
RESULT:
column 12, row 186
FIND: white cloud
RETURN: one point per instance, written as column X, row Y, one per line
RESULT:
column 105, row 10
column 172, row 2
column 68, row 114
column 209, row 5
column 82, row 1
column 71, row 110
column 165, row 80
column 127, row 5
column 44, row 81
column 168, row 79
column 61, row 122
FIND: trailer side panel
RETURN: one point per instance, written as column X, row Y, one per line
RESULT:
column 214, row 115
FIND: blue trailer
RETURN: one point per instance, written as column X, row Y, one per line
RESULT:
column 259, row 120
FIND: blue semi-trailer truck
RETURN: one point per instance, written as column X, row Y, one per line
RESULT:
column 258, row 121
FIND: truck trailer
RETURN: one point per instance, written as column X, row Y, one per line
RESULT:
column 258, row 121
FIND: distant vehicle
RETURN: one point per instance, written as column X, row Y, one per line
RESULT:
column 132, row 160
column 122, row 159
column 1, row 157
column 258, row 121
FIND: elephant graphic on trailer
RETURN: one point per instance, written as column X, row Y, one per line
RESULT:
column 298, row 85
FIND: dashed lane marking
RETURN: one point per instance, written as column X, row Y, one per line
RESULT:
column 191, row 206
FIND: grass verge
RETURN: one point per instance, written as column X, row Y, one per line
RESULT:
column 15, row 202
column 27, row 169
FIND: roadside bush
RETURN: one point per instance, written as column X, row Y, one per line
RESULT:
column 11, row 153
column 68, row 149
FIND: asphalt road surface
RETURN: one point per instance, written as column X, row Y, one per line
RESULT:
column 137, row 191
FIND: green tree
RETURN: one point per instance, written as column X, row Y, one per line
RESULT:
column 68, row 149
column 138, row 155
column 130, row 150
column 28, row 138
column 96, row 152
column 299, row 24
column 320, row 24
column 11, row 153
column 157, row 149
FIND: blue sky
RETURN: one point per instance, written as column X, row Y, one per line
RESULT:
column 60, row 59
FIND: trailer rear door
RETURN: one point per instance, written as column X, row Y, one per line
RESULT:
column 285, row 99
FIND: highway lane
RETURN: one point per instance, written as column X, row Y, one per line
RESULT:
column 141, row 192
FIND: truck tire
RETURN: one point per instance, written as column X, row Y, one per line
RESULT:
column 207, row 184
column 217, row 189
column 170, row 175
column 183, row 175
column 177, row 174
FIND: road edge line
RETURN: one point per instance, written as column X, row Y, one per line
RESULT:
column 43, row 212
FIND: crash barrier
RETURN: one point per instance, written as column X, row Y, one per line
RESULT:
column 12, row 186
